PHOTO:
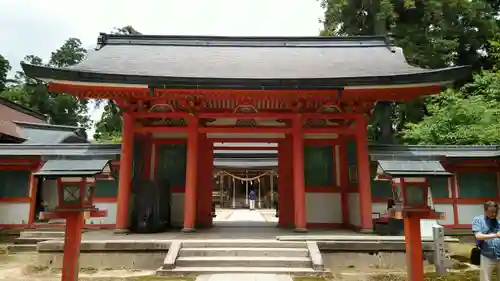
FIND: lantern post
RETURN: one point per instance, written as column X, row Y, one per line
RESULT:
column 74, row 205
column 411, row 199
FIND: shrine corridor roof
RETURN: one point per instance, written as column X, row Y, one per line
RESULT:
column 412, row 168
column 246, row 62
column 59, row 168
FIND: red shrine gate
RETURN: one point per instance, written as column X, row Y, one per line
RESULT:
column 201, row 90
column 290, row 137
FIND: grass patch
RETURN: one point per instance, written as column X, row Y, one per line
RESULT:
column 139, row 278
column 33, row 270
column 458, row 276
column 460, row 251
column 311, row 278
column 3, row 249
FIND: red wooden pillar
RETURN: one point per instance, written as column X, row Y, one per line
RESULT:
column 148, row 154
column 344, row 180
column 72, row 241
column 125, row 179
column 365, row 193
column 285, row 183
column 204, row 184
column 281, row 185
column 299, row 189
column 413, row 242
column 191, row 176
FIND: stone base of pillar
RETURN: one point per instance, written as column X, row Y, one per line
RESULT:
column 188, row 230
column 121, row 231
column 300, row 230
column 365, row 230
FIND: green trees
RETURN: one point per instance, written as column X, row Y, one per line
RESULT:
column 433, row 34
column 470, row 115
column 109, row 128
column 4, row 69
column 61, row 109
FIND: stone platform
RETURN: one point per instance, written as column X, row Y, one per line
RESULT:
column 239, row 242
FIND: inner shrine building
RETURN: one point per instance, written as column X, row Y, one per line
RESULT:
column 313, row 96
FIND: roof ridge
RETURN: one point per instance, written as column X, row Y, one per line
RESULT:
column 35, row 125
column 241, row 41
column 23, row 109
column 435, row 146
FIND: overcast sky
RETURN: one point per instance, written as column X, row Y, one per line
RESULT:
column 39, row 27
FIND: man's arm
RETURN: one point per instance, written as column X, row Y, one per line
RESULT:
column 482, row 237
column 477, row 230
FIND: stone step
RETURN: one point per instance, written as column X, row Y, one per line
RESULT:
column 42, row 234
column 33, row 241
column 218, row 270
column 244, row 252
column 241, row 243
column 19, row 248
column 234, row 261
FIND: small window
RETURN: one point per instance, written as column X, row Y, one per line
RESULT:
column 14, row 184
column 478, row 184
column 353, row 174
column 106, row 189
column 439, row 187
column 318, row 165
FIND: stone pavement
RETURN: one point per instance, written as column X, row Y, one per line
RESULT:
column 244, row 277
column 246, row 215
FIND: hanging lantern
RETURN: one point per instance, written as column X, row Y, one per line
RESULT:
column 77, row 192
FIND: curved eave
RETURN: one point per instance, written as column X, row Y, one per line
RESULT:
column 432, row 77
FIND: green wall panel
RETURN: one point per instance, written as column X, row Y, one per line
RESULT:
column 106, row 188
column 352, row 163
column 478, row 184
column 172, row 163
column 381, row 189
column 439, row 187
column 352, row 153
column 14, row 184
column 318, row 165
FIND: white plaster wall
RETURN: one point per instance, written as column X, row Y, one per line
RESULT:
column 466, row 212
column 379, row 207
column 353, row 204
column 448, row 210
column 323, row 207
column 177, row 209
column 110, row 218
column 14, row 213
column 49, row 193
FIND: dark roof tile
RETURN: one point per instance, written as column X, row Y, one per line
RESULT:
column 87, row 167
column 257, row 61
column 412, row 168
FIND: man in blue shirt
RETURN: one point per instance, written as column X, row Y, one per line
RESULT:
column 486, row 229
column 251, row 196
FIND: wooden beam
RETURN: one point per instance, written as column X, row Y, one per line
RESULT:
column 160, row 129
column 337, row 116
column 138, row 115
column 243, row 130
column 287, row 116
column 245, row 148
column 261, row 115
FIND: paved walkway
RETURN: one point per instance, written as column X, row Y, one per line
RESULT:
column 246, row 215
column 244, row 277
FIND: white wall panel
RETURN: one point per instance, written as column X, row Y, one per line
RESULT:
column 14, row 213
column 323, row 207
column 353, row 205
